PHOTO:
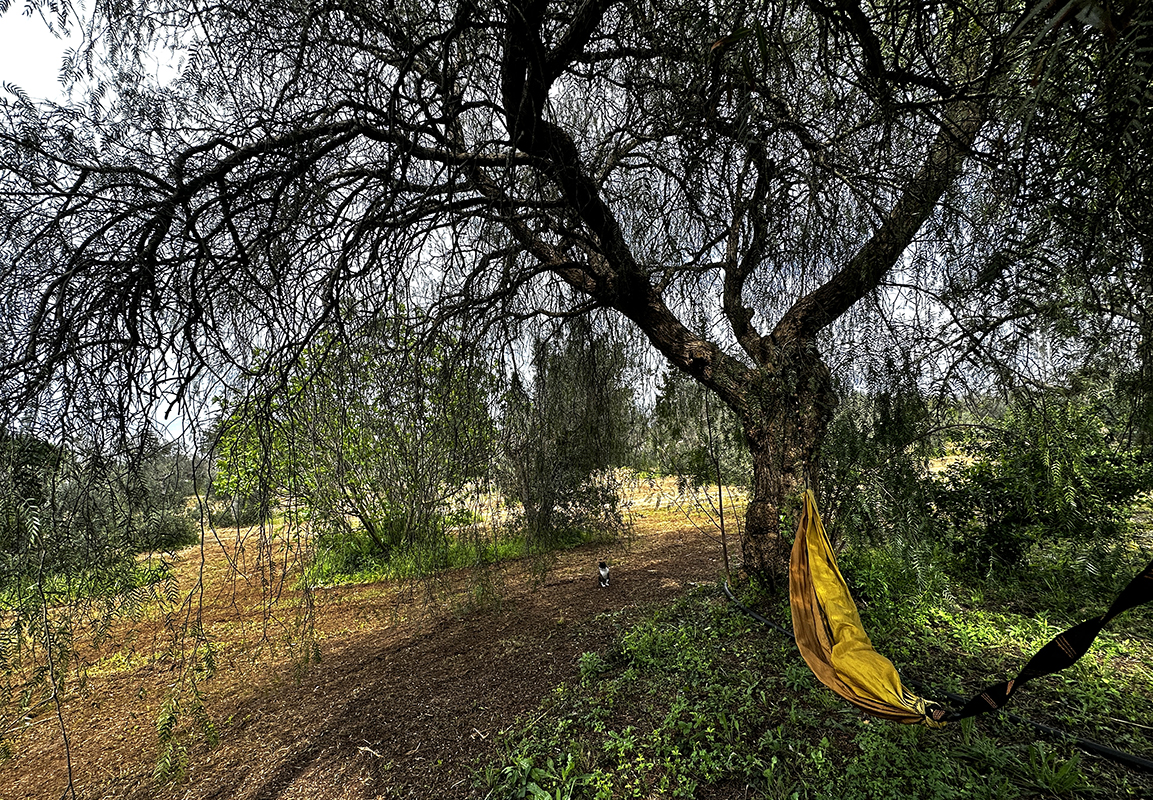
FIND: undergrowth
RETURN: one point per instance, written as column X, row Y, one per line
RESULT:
column 695, row 696
column 354, row 559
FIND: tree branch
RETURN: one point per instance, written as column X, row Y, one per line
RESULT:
column 942, row 165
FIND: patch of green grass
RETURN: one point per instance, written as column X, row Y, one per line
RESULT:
column 694, row 695
column 355, row 559
column 648, row 717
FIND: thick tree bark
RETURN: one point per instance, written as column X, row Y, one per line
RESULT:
column 786, row 416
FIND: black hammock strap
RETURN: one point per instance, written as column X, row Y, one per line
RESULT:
column 1062, row 652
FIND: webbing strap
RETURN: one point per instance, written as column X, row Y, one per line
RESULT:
column 1086, row 744
column 1062, row 652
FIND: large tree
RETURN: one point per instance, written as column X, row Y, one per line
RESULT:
column 733, row 178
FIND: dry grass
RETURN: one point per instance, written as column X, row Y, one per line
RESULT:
column 414, row 683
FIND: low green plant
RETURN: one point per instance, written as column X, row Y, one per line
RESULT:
column 688, row 726
column 1051, row 470
column 693, row 696
column 591, row 664
column 1049, row 772
column 522, row 778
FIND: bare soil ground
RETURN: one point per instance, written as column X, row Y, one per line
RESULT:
column 413, row 685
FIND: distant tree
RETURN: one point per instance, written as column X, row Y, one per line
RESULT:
column 777, row 170
column 694, row 436
column 27, row 464
column 382, row 429
column 91, row 507
column 565, row 430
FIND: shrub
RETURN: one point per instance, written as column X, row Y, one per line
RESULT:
column 167, row 530
column 1052, row 471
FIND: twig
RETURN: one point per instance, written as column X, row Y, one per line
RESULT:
column 70, row 788
column 1127, row 722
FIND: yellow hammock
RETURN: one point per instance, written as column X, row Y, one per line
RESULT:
column 830, row 635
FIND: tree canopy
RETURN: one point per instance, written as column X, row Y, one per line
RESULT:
column 766, row 191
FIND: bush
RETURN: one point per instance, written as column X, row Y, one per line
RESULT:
column 1052, row 471
column 167, row 530
column 875, row 489
column 239, row 512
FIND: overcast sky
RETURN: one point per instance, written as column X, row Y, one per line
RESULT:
column 30, row 55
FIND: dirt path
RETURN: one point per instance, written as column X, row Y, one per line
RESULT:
column 407, row 696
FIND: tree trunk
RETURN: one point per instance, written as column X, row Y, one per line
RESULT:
column 1142, row 393
column 785, row 422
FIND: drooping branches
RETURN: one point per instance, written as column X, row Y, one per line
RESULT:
column 734, row 180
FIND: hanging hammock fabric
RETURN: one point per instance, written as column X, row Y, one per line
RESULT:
column 833, row 641
column 831, row 637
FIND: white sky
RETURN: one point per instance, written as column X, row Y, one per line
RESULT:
column 30, row 55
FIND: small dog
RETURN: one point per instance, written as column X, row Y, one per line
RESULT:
column 604, row 576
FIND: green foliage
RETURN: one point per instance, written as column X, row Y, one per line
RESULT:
column 523, row 779
column 1053, row 469
column 695, row 436
column 172, row 761
column 183, row 720
column 169, row 531
column 46, row 612
column 652, row 716
column 29, row 465
column 897, row 578
column 96, row 506
column 240, row 510
column 874, row 466
column 563, row 434
column 355, row 558
column 695, row 700
column 895, row 763
column 73, row 523
column 377, row 446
